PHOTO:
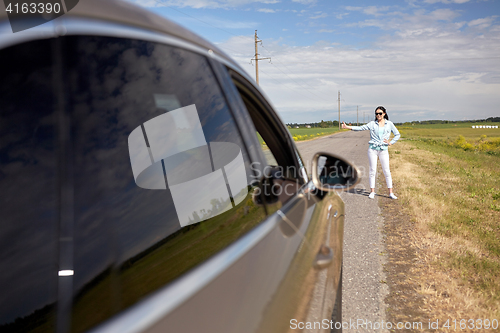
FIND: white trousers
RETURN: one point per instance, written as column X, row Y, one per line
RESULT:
column 383, row 155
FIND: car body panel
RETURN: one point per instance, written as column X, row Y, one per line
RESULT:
column 264, row 279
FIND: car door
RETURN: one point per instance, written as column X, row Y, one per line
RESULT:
column 163, row 190
column 120, row 250
column 273, row 274
column 168, row 236
column 309, row 288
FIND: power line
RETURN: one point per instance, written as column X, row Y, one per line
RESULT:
column 245, row 37
column 229, row 49
column 410, row 61
column 213, row 26
column 256, row 58
column 339, row 110
column 283, row 83
column 294, row 79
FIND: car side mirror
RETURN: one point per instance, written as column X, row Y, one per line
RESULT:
column 330, row 172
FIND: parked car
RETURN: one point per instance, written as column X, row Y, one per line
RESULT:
column 136, row 195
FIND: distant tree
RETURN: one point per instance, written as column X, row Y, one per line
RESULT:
column 329, row 123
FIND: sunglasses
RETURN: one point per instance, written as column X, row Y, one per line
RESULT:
column 379, row 113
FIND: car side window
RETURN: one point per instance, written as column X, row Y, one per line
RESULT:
column 162, row 177
column 268, row 154
column 275, row 145
column 29, row 221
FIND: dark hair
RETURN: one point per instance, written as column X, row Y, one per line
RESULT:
column 380, row 107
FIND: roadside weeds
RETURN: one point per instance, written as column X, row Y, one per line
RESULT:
column 441, row 239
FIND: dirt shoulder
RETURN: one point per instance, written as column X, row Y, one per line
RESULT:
column 403, row 269
column 427, row 283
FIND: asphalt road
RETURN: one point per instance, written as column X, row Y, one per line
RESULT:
column 363, row 290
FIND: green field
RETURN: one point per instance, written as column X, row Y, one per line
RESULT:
column 449, row 131
column 461, row 136
column 448, row 180
column 301, row 134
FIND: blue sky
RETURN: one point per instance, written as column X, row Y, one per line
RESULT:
column 421, row 59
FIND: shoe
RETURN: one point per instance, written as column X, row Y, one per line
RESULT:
column 392, row 196
column 372, row 195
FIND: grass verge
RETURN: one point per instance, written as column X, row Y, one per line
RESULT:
column 451, row 197
column 303, row 134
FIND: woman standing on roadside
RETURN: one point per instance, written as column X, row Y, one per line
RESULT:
column 380, row 131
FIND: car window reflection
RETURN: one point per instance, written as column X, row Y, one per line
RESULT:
column 198, row 174
column 162, row 177
column 28, row 183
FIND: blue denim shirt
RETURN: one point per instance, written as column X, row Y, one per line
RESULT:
column 377, row 142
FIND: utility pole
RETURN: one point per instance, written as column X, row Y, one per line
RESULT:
column 357, row 115
column 339, row 110
column 256, row 58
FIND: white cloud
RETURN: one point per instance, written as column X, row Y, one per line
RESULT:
column 266, row 10
column 305, row 2
column 370, row 10
column 376, row 11
column 417, row 32
column 444, row 14
column 417, row 23
column 200, row 3
column 482, row 23
column 423, row 64
column 369, row 23
column 322, row 15
column 446, row 1
column 220, row 23
column 353, row 8
column 425, row 67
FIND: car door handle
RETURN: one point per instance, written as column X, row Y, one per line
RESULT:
column 324, row 257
